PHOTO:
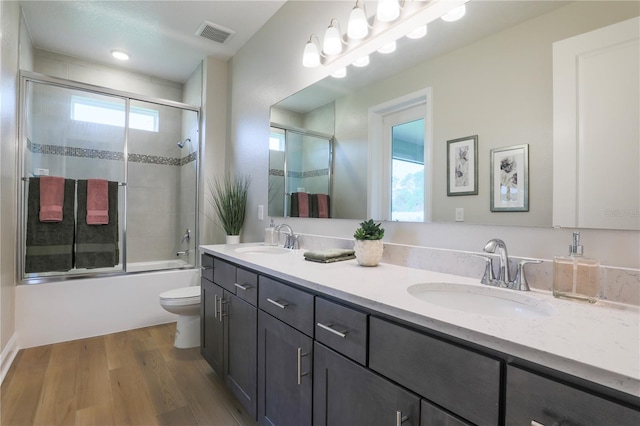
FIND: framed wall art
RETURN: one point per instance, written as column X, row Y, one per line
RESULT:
column 462, row 166
column 510, row 179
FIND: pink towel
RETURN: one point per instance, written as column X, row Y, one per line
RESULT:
column 323, row 206
column 97, row 202
column 303, row 204
column 51, row 198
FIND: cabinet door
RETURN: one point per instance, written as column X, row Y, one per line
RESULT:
column 285, row 360
column 242, row 358
column 430, row 415
column 346, row 393
column 212, row 333
column 532, row 398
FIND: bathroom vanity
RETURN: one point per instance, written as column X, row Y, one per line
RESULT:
column 306, row 343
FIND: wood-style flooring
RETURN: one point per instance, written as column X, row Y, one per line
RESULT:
column 134, row 377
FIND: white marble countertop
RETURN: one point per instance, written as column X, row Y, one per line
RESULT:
column 600, row 342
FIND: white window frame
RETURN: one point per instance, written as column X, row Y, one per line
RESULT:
column 118, row 108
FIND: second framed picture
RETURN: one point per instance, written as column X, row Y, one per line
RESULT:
column 462, row 166
column 510, row 179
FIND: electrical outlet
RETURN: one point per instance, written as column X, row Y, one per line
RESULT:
column 459, row 214
column 260, row 212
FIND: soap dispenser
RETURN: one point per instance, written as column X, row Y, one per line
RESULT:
column 576, row 276
column 270, row 235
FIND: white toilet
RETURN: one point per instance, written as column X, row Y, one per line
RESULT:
column 184, row 302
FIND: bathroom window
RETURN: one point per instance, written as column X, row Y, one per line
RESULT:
column 99, row 111
column 276, row 140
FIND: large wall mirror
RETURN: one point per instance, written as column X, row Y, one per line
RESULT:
column 488, row 75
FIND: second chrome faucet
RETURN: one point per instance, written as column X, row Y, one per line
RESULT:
column 504, row 275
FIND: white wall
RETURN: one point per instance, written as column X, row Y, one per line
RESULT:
column 268, row 69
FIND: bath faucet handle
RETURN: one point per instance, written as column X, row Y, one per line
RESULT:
column 187, row 236
column 520, row 282
column 487, row 277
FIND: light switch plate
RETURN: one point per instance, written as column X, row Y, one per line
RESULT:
column 459, row 214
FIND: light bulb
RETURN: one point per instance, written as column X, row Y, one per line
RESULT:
column 362, row 61
column 388, row 48
column 119, row 54
column 332, row 40
column 311, row 55
column 454, row 14
column 340, row 73
column 358, row 24
column 418, row 32
column 388, row 10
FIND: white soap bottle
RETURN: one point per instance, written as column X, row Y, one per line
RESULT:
column 576, row 276
column 270, row 236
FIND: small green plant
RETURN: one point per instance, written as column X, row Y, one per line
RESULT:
column 229, row 200
column 369, row 230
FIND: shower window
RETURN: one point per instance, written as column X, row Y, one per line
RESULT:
column 79, row 133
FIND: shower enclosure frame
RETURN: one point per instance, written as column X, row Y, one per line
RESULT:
column 28, row 76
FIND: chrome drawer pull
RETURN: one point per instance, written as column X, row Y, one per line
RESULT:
column 534, row 423
column 242, row 287
column 300, row 373
column 205, row 268
column 329, row 328
column 400, row 418
column 278, row 304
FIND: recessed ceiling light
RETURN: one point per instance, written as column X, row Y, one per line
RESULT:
column 455, row 14
column 119, row 54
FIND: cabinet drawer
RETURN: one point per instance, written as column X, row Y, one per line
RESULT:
column 342, row 329
column 457, row 379
column 430, row 415
column 247, row 286
column 206, row 261
column 531, row 397
column 224, row 274
column 288, row 304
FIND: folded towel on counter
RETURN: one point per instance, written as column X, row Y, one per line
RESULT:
column 97, row 202
column 49, row 245
column 51, row 198
column 329, row 255
column 97, row 245
column 323, row 205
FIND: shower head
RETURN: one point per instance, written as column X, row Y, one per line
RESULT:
column 181, row 144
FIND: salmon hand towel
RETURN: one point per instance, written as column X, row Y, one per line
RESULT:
column 323, row 205
column 97, row 202
column 303, row 204
column 51, row 198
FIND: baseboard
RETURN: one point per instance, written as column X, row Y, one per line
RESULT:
column 7, row 356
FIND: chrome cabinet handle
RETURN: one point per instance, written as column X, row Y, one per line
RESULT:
column 534, row 423
column 300, row 373
column 215, row 306
column 329, row 328
column 204, row 268
column 221, row 301
column 400, row 418
column 242, row 287
column 278, row 304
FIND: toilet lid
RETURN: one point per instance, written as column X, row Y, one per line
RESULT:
column 182, row 293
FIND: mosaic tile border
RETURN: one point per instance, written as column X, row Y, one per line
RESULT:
column 70, row 151
column 300, row 175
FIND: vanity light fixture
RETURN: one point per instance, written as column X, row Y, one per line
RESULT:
column 121, row 55
column 362, row 61
column 340, row 73
column 388, row 48
column 358, row 27
column 388, row 10
column 454, row 14
column 311, row 55
column 418, row 32
column 333, row 39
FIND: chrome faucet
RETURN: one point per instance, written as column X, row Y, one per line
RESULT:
column 187, row 236
column 291, row 240
column 504, row 276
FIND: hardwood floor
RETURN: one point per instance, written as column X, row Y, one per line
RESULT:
column 134, row 377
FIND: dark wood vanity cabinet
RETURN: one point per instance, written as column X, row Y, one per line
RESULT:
column 229, row 327
column 533, row 399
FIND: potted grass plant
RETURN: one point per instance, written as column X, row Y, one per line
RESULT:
column 368, row 245
column 229, row 200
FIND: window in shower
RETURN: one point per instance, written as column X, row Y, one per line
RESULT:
column 74, row 132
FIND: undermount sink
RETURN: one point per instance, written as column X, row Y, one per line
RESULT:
column 263, row 250
column 482, row 300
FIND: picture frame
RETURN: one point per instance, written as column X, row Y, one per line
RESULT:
column 510, row 179
column 462, row 166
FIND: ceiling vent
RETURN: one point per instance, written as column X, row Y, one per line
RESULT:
column 214, row 32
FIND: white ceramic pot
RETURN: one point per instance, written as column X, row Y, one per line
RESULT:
column 233, row 239
column 368, row 252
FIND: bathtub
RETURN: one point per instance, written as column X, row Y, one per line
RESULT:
column 60, row 311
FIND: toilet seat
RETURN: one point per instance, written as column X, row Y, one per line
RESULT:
column 181, row 296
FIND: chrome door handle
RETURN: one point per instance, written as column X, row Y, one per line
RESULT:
column 278, row 304
column 215, row 306
column 300, row 373
column 329, row 328
column 221, row 301
column 242, row 287
column 400, row 418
